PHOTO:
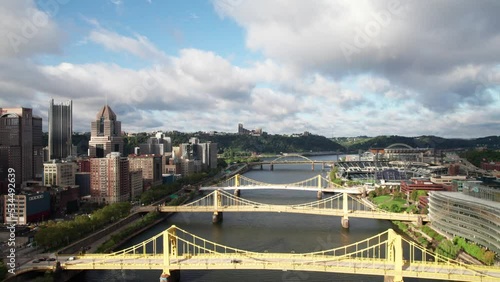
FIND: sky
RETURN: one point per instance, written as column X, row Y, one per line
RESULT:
column 330, row 67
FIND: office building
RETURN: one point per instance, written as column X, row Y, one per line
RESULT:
column 60, row 174
column 151, row 167
column 473, row 214
column 29, row 208
column 21, row 144
column 136, row 184
column 60, row 129
column 105, row 133
column 109, row 179
column 209, row 155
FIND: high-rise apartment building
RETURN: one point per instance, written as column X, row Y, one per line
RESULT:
column 21, row 144
column 109, row 179
column 105, row 135
column 60, row 129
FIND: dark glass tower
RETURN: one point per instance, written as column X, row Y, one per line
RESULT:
column 60, row 129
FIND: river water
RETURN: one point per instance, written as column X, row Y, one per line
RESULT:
column 263, row 231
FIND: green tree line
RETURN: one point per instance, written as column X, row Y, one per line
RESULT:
column 54, row 235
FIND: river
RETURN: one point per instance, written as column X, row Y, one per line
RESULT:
column 263, row 231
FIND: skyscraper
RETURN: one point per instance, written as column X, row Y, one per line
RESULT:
column 105, row 136
column 60, row 129
column 110, row 179
column 21, row 145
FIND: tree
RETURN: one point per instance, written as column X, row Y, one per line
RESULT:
column 3, row 270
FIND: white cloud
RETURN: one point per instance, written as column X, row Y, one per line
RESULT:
column 26, row 30
column 139, row 46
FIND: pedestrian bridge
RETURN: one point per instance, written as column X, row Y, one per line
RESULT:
column 386, row 254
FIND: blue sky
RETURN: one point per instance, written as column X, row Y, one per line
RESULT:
column 336, row 68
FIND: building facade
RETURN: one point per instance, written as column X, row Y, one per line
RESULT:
column 151, row 167
column 26, row 208
column 472, row 218
column 136, row 184
column 21, row 144
column 105, row 135
column 60, row 129
column 109, row 179
column 59, row 174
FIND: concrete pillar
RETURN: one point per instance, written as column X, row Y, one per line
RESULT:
column 237, row 192
column 217, row 217
column 319, row 196
column 345, row 208
column 173, row 276
column 345, row 222
column 420, row 221
column 391, row 279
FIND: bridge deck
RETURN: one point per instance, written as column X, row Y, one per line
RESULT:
column 299, row 210
column 284, row 262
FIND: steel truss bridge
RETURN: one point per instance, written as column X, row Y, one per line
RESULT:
column 342, row 204
column 386, row 254
column 317, row 183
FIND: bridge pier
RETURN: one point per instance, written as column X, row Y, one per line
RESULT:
column 345, row 222
column 173, row 276
column 391, row 279
column 271, row 167
column 319, row 196
column 217, row 217
column 261, row 167
column 237, row 192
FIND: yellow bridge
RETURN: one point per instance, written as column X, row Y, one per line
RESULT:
column 386, row 254
column 343, row 205
column 316, row 183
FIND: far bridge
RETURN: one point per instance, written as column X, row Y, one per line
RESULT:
column 291, row 159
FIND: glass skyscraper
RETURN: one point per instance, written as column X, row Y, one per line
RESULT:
column 60, row 129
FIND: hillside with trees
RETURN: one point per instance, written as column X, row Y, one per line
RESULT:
column 353, row 144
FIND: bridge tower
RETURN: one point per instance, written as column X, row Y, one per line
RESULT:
column 319, row 196
column 394, row 255
column 169, row 251
column 217, row 216
column 345, row 207
column 237, row 182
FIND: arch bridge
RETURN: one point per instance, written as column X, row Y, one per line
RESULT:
column 290, row 159
column 386, row 254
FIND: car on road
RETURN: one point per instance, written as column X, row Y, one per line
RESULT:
column 71, row 258
column 51, row 259
column 36, row 261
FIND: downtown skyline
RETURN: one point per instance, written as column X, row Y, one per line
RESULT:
column 333, row 68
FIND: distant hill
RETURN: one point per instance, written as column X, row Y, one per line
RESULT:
column 275, row 144
column 427, row 141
